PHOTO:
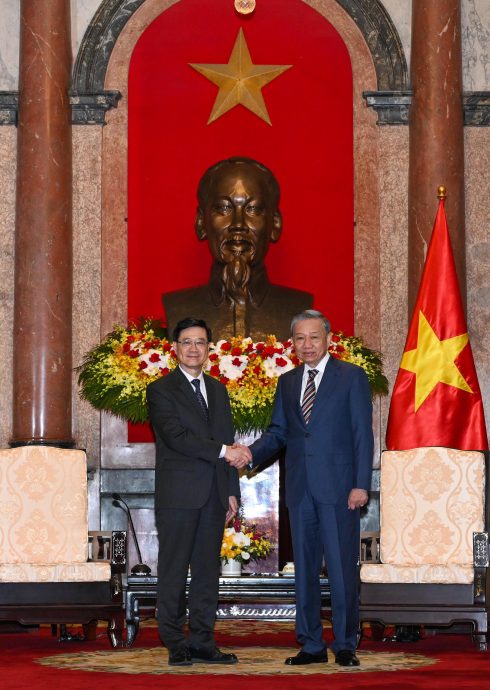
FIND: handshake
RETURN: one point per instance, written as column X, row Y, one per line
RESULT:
column 238, row 455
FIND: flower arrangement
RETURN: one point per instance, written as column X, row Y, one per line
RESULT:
column 115, row 374
column 243, row 542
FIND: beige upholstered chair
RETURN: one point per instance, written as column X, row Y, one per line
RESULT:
column 432, row 523
column 45, row 572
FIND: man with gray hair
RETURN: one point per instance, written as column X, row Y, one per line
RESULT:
column 323, row 417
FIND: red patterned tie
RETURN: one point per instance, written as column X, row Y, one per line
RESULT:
column 309, row 395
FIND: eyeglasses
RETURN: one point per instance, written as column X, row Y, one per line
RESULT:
column 188, row 342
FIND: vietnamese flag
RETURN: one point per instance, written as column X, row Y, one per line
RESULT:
column 436, row 400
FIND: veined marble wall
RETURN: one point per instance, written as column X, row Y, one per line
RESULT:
column 8, row 143
column 477, row 199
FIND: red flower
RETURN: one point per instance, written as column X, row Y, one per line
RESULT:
column 268, row 351
column 126, row 347
column 143, row 365
column 236, row 351
column 281, row 362
column 134, row 353
column 250, row 347
column 164, row 371
column 213, row 357
column 166, row 347
column 130, row 338
column 214, row 371
column 155, row 357
column 257, row 370
column 259, row 347
column 340, row 348
column 236, row 362
column 224, row 380
column 335, row 338
column 226, row 346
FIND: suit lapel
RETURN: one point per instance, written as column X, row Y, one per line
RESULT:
column 326, row 387
column 186, row 389
column 210, row 394
column 296, row 391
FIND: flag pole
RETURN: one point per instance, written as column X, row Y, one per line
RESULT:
column 441, row 192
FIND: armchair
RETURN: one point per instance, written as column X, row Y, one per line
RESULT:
column 433, row 547
column 46, row 575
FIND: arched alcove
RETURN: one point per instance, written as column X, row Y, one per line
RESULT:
column 113, row 65
column 380, row 34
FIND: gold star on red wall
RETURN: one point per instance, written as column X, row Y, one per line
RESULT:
column 240, row 81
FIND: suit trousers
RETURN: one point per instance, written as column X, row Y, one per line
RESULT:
column 189, row 536
column 332, row 531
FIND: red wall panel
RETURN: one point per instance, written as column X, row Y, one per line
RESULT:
column 309, row 148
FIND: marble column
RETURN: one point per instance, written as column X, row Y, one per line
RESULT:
column 43, row 245
column 436, row 134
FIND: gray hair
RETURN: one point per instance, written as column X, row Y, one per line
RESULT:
column 310, row 314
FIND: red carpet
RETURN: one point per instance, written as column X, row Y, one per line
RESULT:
column 442, row 661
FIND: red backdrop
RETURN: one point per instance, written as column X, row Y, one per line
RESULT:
column 309, row 147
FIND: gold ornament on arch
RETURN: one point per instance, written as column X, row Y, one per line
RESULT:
column 245, row 6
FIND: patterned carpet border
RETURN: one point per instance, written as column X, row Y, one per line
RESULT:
column 253, row 661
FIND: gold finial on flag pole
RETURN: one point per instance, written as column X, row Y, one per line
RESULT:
column 441, row 192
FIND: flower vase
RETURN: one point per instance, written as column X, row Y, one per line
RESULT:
column 231, row 569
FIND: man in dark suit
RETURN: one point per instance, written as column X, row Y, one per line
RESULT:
column 196, row 491
column 323, row 416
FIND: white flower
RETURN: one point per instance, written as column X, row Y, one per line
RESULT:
column 153, row 368
column 229, row 369
column 245, row 555
column 273, row 370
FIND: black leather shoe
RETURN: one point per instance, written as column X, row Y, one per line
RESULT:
column 214, row 656
column 179, row 657
column 302, row 658
column 346, row 657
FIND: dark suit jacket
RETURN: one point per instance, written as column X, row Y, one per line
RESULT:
column 333, row 453
column 187, row 447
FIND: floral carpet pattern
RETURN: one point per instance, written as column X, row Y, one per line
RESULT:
column 253, row 661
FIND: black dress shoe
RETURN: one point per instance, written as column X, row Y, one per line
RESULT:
column 302, row 658
column 346, row 657
column 179, row 657
column 213, row 656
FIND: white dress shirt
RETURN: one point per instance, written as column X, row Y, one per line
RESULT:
column 320, row 367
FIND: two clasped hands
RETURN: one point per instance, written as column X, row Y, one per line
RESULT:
column 238, row 455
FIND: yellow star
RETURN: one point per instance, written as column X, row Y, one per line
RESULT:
column 432, row 361
column 240, row 81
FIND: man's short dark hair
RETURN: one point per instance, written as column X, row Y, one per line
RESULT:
column 191, row 322
column 207, row 179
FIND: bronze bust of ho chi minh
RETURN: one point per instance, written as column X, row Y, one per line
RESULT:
column 238, row 214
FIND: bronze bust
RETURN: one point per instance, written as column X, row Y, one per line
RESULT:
column 238, row 213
